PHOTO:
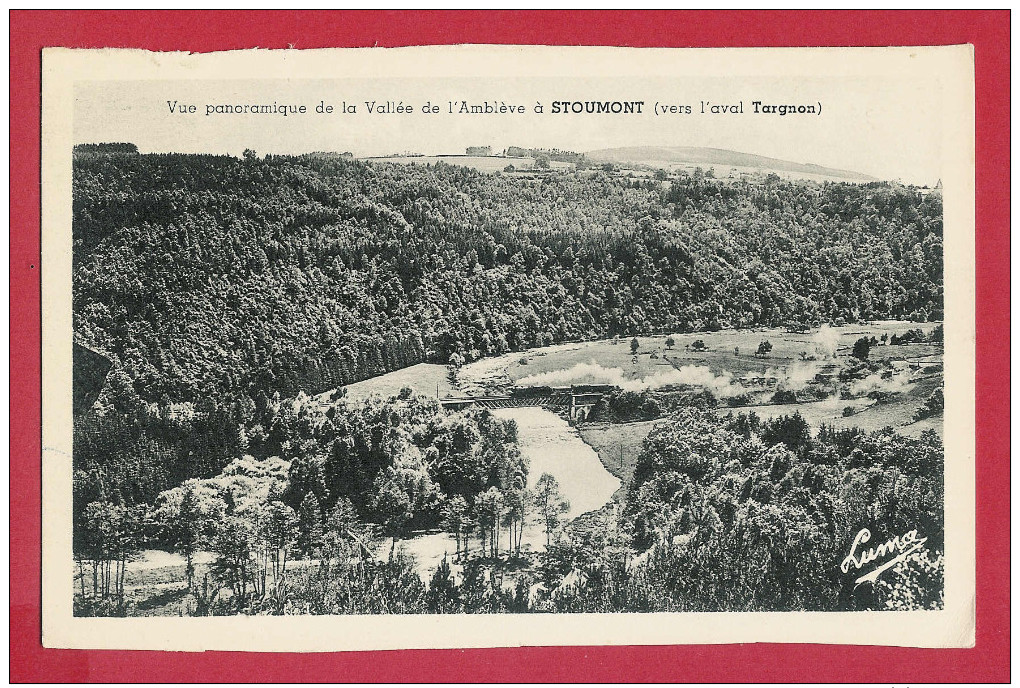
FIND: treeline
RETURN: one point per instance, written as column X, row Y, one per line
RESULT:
column 299, row 468
column 548, row 153
column 342, row 450
column 769, row 511
column 723, row 514
column 105, row 148
column 203, row 275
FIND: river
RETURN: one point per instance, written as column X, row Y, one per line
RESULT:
column 551, row 446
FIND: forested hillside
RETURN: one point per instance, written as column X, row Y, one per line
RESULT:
column 202, row 274
column 219, row 282
column 222, row 292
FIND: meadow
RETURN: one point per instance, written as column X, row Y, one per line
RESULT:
column 424, row 378
column 728, row 353
column 476, row 162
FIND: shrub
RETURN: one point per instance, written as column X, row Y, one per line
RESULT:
column 862, row 347
column 738, row 400
column 784, row 396
column 932, row 407
column 908, row 337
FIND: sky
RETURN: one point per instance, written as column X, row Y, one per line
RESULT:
column 887, row 127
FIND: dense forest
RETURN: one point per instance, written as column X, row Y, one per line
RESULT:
column 722, row 514
column 209, row 275
column 224, row 291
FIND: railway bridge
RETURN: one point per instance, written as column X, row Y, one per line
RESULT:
column 577, row 403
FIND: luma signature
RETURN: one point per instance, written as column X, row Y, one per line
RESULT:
column 900, row 545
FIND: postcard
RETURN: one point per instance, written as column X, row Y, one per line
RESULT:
column 498, row 346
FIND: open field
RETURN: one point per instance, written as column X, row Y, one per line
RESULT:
column 898, row 412
column 728, row 353
column 618, row 446
column 424, row 378
column 725, row 367
column 722, row 161
column 869, row 416
column 726, row 172
column 477, row 162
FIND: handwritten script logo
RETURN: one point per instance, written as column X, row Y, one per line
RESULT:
column 900, row 545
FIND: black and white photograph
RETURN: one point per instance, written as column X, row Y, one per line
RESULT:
column 675, row 337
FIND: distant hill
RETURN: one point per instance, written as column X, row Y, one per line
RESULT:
column 684, row 156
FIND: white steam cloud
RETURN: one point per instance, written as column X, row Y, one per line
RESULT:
column 898, row 382
column 826, row 342
column 595, row 374
column 797, row 376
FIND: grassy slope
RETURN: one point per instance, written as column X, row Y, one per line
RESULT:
column 618, row 446
column 899, row 412
column 870, row 416
column 719, row 356
column 423, row 378
column 683, row 156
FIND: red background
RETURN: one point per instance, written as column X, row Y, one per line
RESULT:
column 205, row 31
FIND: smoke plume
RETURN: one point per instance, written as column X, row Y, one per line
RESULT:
column 826, row 342
column 898, row 382
column 595, row 374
